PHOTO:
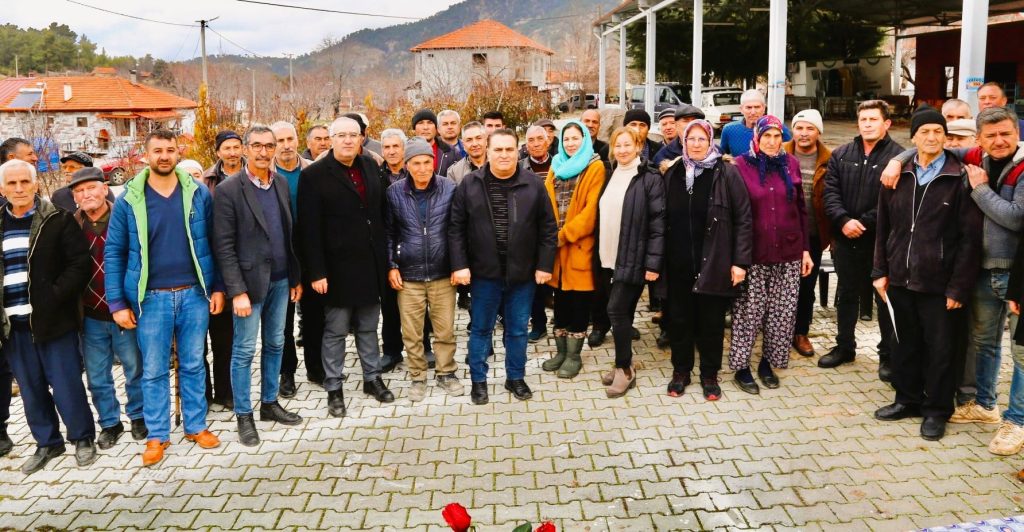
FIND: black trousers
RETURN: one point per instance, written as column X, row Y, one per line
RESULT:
column 622, row 300
column 853, row 260
column 924, row 372
column 572, row 308
column 697, row 321
column 222, row 333
column 6, row 380
column 538, row 314
column 599, row 305
column 312, row 306
column 808, row 288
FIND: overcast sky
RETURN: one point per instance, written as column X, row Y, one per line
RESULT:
column 265, row 30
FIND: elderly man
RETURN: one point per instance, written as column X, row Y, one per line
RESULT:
column 474, row 139
column 424, row 125
column 317, row 142
column 418, row 214
column 736, row 136
column 685, row 113
column 392, row 146
column 449, row 126
column 667, row 125
column 927, row 258
column 592, row 119
column 102, row 339
column 341, row 211
column 508, row 253
column 955, row 109
column 538, row 157
column 41, row 325
column 69, row 164
column 961, row 133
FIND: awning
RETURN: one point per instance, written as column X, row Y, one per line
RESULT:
column 116, row 115
column 159, row 115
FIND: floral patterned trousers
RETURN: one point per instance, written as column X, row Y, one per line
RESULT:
column 767, row 304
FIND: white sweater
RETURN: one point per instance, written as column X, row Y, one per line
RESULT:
column 611, row 212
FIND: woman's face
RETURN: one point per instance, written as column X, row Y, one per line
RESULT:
column 572, row 139
column 625, row 150
column 770, row 142
column 697, row 143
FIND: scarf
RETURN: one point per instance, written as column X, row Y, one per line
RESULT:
column 695, row 168
column 765, row 163
column 565, row 166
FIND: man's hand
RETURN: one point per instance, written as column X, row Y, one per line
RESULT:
column 320, row 286
column 295, row 294
column 216, row 302
column 1014, row 307
column 395, row 279
column 242, row 306
column 460, row 277
column 541, row 277
column 881, row 286
column 952, row 304
column 738, row 275
column 125, row 319
column 651, row 276
column 891, row 174
column 976, row 175
column 806, row 265
column 854, row 229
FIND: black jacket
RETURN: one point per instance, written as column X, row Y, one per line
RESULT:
column 532, row 232
column 58, row 271
column 446, row 156
column 938, row 250
column 241, row 238
column 642, row 230
column 729, row 231
column 601, row 149
column 418, row 248
column 852, row 182
column 342, row 238
column 62, row 198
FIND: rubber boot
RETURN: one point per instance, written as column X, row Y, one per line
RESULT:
column 573, row 361
column 556, row 361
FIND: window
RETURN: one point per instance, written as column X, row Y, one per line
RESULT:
column 727, row 98
column 949, row 77
column 82, row 121
column 480, row 60
column 638, row 94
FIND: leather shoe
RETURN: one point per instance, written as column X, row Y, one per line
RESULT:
column 154, row 452
column 378, row 390
column 388, row 363
column 336, row 403
column 933, row 428
column 204, row 438
column 596, row 337
column 836, row 357
column 664, row 340
column 636, row 333
column 139, row 430
column 6, row 444
column 42, row 457
column 884, row 372
column 108, row 437
column 319, row 379
column 85, row 452
column 275, row 412
column 288, row 388
column 802, row 344
column 519, row 389
column 247, row 434
column 896, row 412
column 750, row 386
column 478, row 393
column 769, row 379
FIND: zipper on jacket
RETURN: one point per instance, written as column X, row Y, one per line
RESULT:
column 914, row 214
column 28, row 284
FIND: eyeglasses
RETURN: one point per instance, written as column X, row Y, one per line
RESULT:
column 344, row 136
column 262, row 147
column 696, row 140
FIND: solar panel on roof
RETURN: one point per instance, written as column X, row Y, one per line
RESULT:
column 25, row 100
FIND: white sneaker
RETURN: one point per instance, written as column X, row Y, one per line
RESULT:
column 972, row 412
column 417, row 391
column 1008, row 441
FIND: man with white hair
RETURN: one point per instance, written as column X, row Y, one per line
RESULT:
column 449, row 125
column 736, row 136
column 538, row 157
column 955, row 109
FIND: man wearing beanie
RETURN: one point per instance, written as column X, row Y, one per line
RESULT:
column 639, row 120
column 419, row 268
column 813, row 156
column 424, row 125
column 737, row 136
column 851, row 207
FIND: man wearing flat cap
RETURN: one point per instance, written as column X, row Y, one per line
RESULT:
column 69, row 164
column 684, row 114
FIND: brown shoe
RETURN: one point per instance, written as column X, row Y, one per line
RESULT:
column 608, row 376
column 623, row 380
column 204, row 439
column 802, row 344
column 154, row 452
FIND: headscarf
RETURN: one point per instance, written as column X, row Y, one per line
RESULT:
column 566, row 167
column 695, row 168
column 764, row 163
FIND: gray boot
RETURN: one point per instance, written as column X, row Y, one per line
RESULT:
column 556, row 361
column 573, row 361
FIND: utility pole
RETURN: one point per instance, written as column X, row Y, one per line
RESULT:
column 291, row 81
column 202, row 44
column 16, row 65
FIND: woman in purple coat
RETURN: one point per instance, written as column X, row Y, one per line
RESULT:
column 768, row 300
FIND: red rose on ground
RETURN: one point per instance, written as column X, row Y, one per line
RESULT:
column 457, row 517
column 546, row 526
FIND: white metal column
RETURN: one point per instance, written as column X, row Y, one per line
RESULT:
column 973, row 36
column 777, row 59
column 652, row 41
column 602, row 77
column 698, row 52
column 897, row 63
column 623, row 92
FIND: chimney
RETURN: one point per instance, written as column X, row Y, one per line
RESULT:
column 134, row 75
column 67, row 91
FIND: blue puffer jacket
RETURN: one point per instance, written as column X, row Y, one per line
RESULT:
column 418, row 247
column 126, row 254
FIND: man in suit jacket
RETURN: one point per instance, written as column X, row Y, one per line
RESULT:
column 341, row 219
column 252, row 241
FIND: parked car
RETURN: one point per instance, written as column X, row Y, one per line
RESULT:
column 665, row 95
column 119, row 169
column 721, row 105
column 576, row 101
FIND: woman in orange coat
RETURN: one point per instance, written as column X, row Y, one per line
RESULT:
column 574, row 185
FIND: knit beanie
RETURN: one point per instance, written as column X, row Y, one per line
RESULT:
column 417, row 146
column 812, row 117
column 924, row 115
column 424, row 114
column 637, row 115
column 223, row 136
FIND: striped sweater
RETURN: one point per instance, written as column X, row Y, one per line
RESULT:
column 15, row 251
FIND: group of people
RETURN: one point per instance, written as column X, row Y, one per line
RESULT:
column 405, row 229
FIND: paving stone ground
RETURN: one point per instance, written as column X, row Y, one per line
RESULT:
column 807, row 456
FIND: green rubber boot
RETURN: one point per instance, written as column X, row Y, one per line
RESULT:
column 556, row 361
column 573, row 361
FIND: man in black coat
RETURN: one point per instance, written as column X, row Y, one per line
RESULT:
column 341, row 218
column 252, row 241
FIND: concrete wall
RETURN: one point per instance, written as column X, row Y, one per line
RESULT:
column 453, row 72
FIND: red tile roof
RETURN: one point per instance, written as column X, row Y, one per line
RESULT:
column 91, row 93
column 484, row 34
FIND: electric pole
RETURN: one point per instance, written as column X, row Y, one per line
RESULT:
column 202, row 44
column 291, row 81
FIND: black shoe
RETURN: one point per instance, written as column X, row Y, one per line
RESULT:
column 596, row 337
column 378, row 390
column 108, row 437
column 519, row 389
column 227, row 404
column 663, row 340
column 709, row 385
column 636, row 333
column 884, row 372
column 388, row 363
column 288, row 387
column 336, row 403
column 6, row 443
column 896, row 412
column 139, row 430
column 769, row 379
column 746, row 382
column 463, row 301
column 678, row 384
column 536, row 335
column 275, row 412
column 247, row 434
column 865, row 316
column 933, row 428
column 836, row 357
column 317, row 380
column 41, row 458
column 85, row 452
column 478, row 394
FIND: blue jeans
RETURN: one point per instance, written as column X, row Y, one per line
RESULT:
column 487, row 297
column 988, row 312
column 101, row 342
column 271, row 313
column 183, row 315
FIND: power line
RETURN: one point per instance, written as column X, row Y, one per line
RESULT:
column 132, row 16
column 239, row 46
column 322, row 10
